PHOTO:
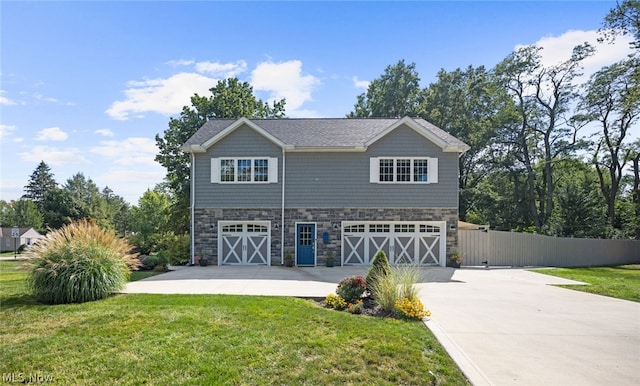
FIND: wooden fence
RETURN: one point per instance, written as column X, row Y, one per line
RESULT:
column 526, row 249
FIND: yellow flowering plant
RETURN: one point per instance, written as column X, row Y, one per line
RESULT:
column 411, row 308
column 336, row 302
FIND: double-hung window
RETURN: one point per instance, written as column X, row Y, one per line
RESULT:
column 404, row 170
column 244, row 170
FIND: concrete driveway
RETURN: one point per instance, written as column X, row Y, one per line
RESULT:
column 502, row 326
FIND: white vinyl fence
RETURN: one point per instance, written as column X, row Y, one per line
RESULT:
column 526, row 249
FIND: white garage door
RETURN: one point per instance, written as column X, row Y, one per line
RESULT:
column 404, row 242
column 244, row 242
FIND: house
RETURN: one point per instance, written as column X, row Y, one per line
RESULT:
column 262, row 187
column 27, row 236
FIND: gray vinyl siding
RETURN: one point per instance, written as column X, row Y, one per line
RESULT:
column 243, row 142
column 327, row 179
column 338, row 180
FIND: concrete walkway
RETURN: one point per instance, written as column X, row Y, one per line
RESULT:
column 501, row 326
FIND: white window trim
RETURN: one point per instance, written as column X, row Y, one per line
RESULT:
column 432, row 170
column 272, row 170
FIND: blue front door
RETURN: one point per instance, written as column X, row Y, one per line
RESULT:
column 305, row 244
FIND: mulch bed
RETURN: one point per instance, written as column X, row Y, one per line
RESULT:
column 370, row 308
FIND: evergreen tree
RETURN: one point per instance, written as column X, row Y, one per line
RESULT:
column 40, row 183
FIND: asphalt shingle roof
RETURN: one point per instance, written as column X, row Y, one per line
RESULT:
column 320, row 132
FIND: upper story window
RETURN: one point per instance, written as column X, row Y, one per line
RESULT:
column 403, row 170
column 244, row 170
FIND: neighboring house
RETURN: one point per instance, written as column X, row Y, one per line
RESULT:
column 312, row 186
column 28, row 236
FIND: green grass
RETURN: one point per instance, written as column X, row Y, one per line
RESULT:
column 622, row 282
column 139, row 275
column 211, row 339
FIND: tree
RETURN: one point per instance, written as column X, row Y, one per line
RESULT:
column 395, row 94
column 581, row 211
column 117, row 211
column 544, row 133
column 57, row 209
column 469, row 104
column 40, row 183
column 84, row 199
column 230, row 99
column 624, row 19
column 635, row 192
column 148, row 220
column 610, row 101
column 21, row 213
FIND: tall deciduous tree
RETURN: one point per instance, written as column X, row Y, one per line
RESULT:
column 580, row 208
column 544, row 134
column 624, row 19
column 231, row 99
column 395, row 94
column 610, row 101
column 635, row 192
column 148, row 220
column 21, row 213
column 470, row 105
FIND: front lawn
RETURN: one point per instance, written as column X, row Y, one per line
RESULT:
column 211, row 339
column 622, row 282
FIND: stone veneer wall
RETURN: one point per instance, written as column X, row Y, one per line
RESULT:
column 327, row 220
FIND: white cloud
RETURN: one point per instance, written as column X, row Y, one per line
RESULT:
column 4, row 100
column 43, row 98
column 5, row 130
column 222, row 70
column 180, row 62
column 131, row 151
column 104, row 132
column 163, row 96
column 284, row 80
column 51, row 134
column 54, row 156
column 557, row 49
column 357, row 83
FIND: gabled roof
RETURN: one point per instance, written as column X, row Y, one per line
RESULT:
column 321, row 134
column 6, row 231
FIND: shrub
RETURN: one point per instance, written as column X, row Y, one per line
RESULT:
column 175, row 249
column 148, row 262
column 351, row 288
column 398, row 284
column 356, row 308
column 411, row 308
column 335, row 301
column 78, row 263
column 379, row 267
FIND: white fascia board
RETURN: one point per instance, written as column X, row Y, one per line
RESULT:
column 456, row 149
column 193, row 149
column 232, row 127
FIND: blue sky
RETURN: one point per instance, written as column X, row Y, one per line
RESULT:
column 86, row 86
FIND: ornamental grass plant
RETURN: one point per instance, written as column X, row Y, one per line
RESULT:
column 78, row 263
column 400, row 283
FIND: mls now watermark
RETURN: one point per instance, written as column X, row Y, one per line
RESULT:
column 26, row 378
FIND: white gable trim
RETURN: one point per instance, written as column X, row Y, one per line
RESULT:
column 420, row 130
column 232, row 127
